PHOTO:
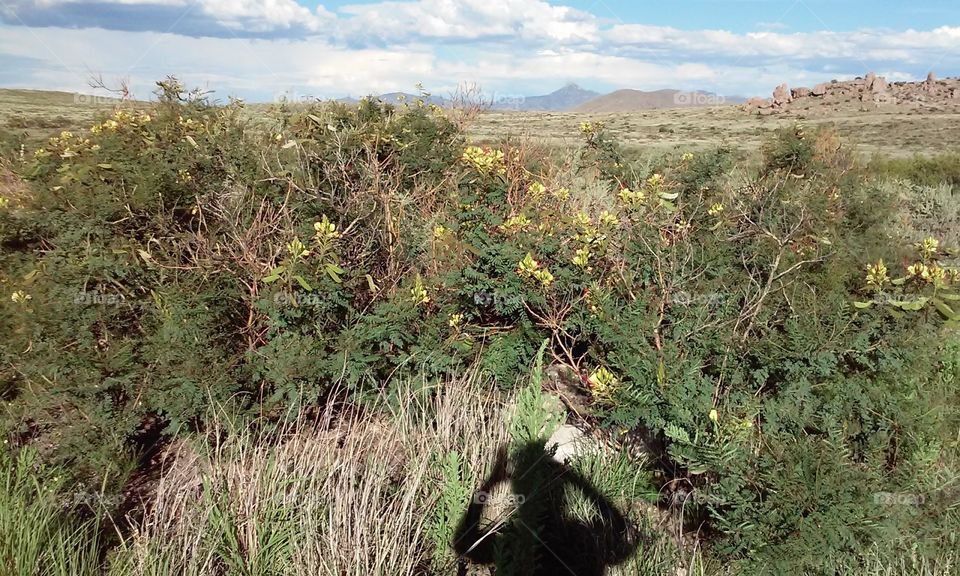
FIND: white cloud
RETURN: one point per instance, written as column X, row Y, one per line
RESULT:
column 468, row 20
column 513, row 46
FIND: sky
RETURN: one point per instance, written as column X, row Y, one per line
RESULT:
column 263, row 50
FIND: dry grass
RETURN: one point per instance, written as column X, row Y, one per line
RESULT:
column 351, row 496
column 892, row 133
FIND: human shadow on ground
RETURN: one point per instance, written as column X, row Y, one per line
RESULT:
column 532, row 531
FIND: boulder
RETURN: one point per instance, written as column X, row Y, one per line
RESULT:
column 782, row 95
column 878, row 85
column 819, row 90
column 755, row 103
column 800, row 92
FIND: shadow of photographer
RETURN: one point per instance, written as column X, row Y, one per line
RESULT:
column 537, row 534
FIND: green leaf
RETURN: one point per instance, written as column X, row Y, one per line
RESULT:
column 863, row 305
column 303, row 283
column 334, row 272
column 912, row 305
column 943, row 309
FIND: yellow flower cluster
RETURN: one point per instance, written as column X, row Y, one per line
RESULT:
column 931, row 274
column 582, row 258
column 602, row 383
column 537, row 190
column 515, row 223
column 655, row 181
column 716, row 209
column 119, row 119
column 590, row 128
column 530, row 268
column 877, row 275
column 439, row 232
column 632, row 198
column 418, row 292
column 21, row 297
column 455, row 320
column 928, row 248
column 485, row 160
column 4, row 202
column 66, row 145
column 608, row 219
column 296, row 249
column 325, row 230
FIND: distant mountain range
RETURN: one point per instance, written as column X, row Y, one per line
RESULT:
column 573, row 98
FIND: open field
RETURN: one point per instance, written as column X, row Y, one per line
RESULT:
column 872, row 132
column 887, row 133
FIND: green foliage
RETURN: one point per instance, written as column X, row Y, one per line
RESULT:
column 176, row 255
column 38, row 535
column 932, row 170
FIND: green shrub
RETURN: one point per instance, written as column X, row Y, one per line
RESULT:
column 179, row 255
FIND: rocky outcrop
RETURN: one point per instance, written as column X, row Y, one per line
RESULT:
column 868, row 92
column 782, row 96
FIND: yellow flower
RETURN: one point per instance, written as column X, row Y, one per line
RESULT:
column 537, row 189
column 296, row 249
column 439, row 231
column 528, row 267
column 632, row 198
column 544, row 276
column 418, row 293
column 582, row 257
column 714, row 416
column 655, row 181
column 4, row 202
column 919, row 270
column 515, row 223
column 687, row 157
column 937, row 275
column 608, row 219
column 877, row 275
column 562, row 194
column 325, row 230
column 716, row 209
column 485, row 160
column 455, row 320
column 928, row 247
column 602, row 382
column 21, row 297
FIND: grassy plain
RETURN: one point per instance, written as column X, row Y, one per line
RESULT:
column 890, row 133
column 886, row 132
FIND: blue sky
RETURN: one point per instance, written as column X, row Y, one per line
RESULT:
column 262, row 49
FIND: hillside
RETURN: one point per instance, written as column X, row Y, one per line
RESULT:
column 632, row 100
column 566, row 98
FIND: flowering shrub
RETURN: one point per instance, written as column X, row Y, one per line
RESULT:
column 336, row 246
